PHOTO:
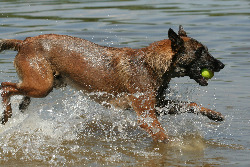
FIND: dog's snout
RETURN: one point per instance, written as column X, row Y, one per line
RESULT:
column 218, row 65
column 221, row 65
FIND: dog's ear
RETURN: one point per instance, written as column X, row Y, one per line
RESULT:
column 176, row 41
column 181, row 32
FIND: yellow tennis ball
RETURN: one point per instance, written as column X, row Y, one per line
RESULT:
column 207, row 74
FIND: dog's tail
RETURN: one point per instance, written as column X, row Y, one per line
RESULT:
column 10, row 44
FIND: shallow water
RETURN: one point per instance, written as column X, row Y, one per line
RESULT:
column 68, row 129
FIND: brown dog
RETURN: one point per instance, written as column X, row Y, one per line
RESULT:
column 130, row 77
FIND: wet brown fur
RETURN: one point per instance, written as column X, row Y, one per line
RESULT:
column 130, row 77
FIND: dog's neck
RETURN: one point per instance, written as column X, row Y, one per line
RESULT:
column 158, row 56
column 162, row 59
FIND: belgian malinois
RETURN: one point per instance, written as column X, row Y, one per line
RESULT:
column 133, row 78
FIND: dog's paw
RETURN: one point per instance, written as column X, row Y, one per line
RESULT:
column 213, row 115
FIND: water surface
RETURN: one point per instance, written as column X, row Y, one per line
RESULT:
column 68, row 129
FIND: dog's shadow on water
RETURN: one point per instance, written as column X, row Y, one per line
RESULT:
column 68, row 126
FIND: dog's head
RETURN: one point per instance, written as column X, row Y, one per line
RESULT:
column 191, row 57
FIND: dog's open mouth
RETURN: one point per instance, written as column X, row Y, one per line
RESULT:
column 195, row 71
column 202, row 81
column 197, row 76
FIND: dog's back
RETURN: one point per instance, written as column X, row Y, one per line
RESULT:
column 80, row 62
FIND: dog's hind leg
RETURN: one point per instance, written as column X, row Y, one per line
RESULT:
column 11, row 89
column 24, row 104
column 8, row 89
column 36, row 81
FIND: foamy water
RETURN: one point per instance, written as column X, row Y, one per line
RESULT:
column 67, row 127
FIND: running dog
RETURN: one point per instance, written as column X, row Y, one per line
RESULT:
column 133, row 78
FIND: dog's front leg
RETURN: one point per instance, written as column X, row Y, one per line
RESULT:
column 177, row 107
column 213, row 115
column 144, row 105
